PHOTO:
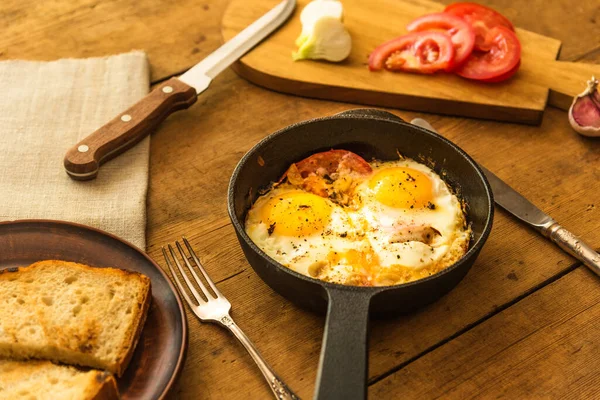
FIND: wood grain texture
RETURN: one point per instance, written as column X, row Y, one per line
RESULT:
column 519, row 99
column 194, row 152
column 128, row 128
column 175, row 35
column 537, row 348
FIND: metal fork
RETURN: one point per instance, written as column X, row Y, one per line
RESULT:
column 215, row 308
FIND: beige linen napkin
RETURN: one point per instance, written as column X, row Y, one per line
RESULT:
column 47, row 107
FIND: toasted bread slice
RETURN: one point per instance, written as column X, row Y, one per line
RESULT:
column 42, row 380
column 72, row 313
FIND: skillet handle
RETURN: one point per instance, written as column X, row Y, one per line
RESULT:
column 343, row 365
column 372, row 113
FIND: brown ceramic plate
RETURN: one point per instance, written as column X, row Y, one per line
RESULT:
column 161, row 349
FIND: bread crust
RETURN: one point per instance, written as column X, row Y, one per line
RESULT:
column 7, row 271
column 138, row 332
column 4, row 273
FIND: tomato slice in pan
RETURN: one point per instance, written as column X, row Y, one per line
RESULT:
column 481, row 18
column 317, row 173
column 424, row 52
column 460, row 31
column 329, row 162
column 503, row 55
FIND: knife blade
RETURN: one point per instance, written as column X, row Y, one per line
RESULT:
column 83, row 160
column 517, row 205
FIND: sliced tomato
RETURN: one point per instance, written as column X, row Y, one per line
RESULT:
column 503, row 55
column 423, row 52
column 460, row 31
column 471, row 11
column 504, row 76
column 482, row 19
column 329, row 162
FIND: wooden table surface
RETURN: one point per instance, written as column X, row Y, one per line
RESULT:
column 522, row 324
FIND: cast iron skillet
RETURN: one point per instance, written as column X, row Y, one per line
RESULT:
column 371, row 134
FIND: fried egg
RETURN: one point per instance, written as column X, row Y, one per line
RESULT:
column 394, row 222
column 299, row 229
column 409, row 215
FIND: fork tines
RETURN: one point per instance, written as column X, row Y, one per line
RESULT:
column 208, row 296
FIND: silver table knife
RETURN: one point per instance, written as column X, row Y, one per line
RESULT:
column 83, row 160
column 517, row 205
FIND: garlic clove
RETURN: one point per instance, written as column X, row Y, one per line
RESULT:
column 584, row 113
column 329, row 40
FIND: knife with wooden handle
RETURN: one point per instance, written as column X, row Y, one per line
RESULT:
column 517, row 205
column 83, row 160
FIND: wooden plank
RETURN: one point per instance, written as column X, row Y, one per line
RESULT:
column 175, row 34
column 545, row 346
column 520, row 99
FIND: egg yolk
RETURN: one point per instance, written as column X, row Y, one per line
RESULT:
column 364, row 264
column 296, row 214
column 401, row 187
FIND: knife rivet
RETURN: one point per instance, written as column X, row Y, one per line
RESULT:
column 83, row 148
column 167, row 89
column 125, row 117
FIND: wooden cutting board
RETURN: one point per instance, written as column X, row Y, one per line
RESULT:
column 540, row 80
